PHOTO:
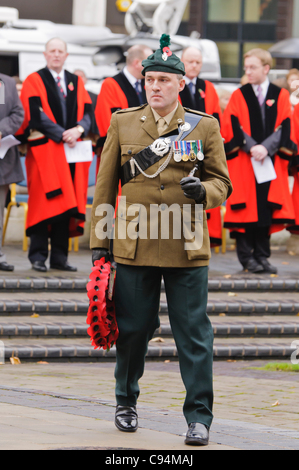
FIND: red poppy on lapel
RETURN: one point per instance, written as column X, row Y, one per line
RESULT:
column 270, row 103
column 202, row 93
column 71, row 86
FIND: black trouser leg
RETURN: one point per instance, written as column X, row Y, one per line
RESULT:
column 262, row 243
column 38, row 250
column 255, row 242
column 59, row 242
column 245, row 247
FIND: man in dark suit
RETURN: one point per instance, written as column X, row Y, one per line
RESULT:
column 58, row 113
column 11, row 118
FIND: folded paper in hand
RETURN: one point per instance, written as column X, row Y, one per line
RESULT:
column 82, row 152
column 264, row 171
column 6, row 143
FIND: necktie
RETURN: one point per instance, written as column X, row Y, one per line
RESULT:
column 162, row 126
column 191, row 88
column 260, row 95
column 58, row 81
column 139, row 91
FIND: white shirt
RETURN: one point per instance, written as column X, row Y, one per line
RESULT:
column 188, row 81
column 264, row 85
column 130, row 77
column 62, row 79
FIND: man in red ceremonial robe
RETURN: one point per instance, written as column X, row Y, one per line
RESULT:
column 294, row 228
column 58, row 112
column 201, row 95
column 124, row 90
column 256, row 125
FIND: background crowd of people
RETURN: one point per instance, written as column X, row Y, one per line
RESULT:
column 52, row 109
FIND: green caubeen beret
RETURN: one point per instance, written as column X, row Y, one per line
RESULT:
column 163, row 60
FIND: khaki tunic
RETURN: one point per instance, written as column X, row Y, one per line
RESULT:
column 131, row 131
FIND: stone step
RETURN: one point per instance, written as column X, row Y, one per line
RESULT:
column 80, row 350
column 43, row 306
column 53, row 327
column 61, row 284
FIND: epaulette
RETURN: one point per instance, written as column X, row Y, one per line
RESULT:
column 130, row 110
column 193, row 111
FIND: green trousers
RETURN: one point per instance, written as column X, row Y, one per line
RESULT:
column 137, row 300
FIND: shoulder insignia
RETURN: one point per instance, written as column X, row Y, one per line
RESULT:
column 131, row 110
column 193, row 111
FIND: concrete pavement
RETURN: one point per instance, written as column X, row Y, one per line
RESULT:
column 55, row 406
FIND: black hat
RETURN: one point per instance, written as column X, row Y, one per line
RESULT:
column 163, row 60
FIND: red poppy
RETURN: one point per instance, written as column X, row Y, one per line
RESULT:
column 167, row 51
column 71, row 86
column 270, row 103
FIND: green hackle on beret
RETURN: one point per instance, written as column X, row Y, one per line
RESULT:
column 163, row 60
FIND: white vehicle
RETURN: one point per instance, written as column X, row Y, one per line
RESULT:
column 96, row 50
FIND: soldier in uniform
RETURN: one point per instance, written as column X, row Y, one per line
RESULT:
column 154, row 148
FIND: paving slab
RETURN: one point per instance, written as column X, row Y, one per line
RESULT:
column 72, row 406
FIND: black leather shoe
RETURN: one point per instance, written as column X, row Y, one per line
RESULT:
column 6, row 267
column 197, row 435
column 39, row 266
column 254, row 266
column 126, row 418
column 64, row 267
column 268, row 268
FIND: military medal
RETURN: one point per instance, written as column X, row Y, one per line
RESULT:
column 200, row 155
column 177, row 152
column 185, row 156
column 192, row 156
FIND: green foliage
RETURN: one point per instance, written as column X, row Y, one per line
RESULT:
column 279, row 366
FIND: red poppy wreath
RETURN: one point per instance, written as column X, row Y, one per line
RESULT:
column 103, row 330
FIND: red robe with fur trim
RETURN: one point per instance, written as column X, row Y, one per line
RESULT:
column 207, row 101
column 55, row 188
column 268, row 204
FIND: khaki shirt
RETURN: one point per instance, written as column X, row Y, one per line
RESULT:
column 130, row 132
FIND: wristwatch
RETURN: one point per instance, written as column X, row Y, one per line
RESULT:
column 81, row 129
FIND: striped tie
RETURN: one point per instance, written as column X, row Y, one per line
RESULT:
column 58, row 80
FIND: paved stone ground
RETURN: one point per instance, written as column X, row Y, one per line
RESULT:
column 72, row 405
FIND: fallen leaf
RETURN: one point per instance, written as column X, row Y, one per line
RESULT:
column 227, row 276
column 34, row 315
column 276, row 403
column 167, row 361
column 157, row 340
column 274, row 275
column 230, row 360
column 14, row 360
column 232, row 294
column 222, row 315
column 285, row 262
column 292, row 253
column 42, row 362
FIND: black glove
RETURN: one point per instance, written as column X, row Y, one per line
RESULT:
column 99, row 253
column 193, row 189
